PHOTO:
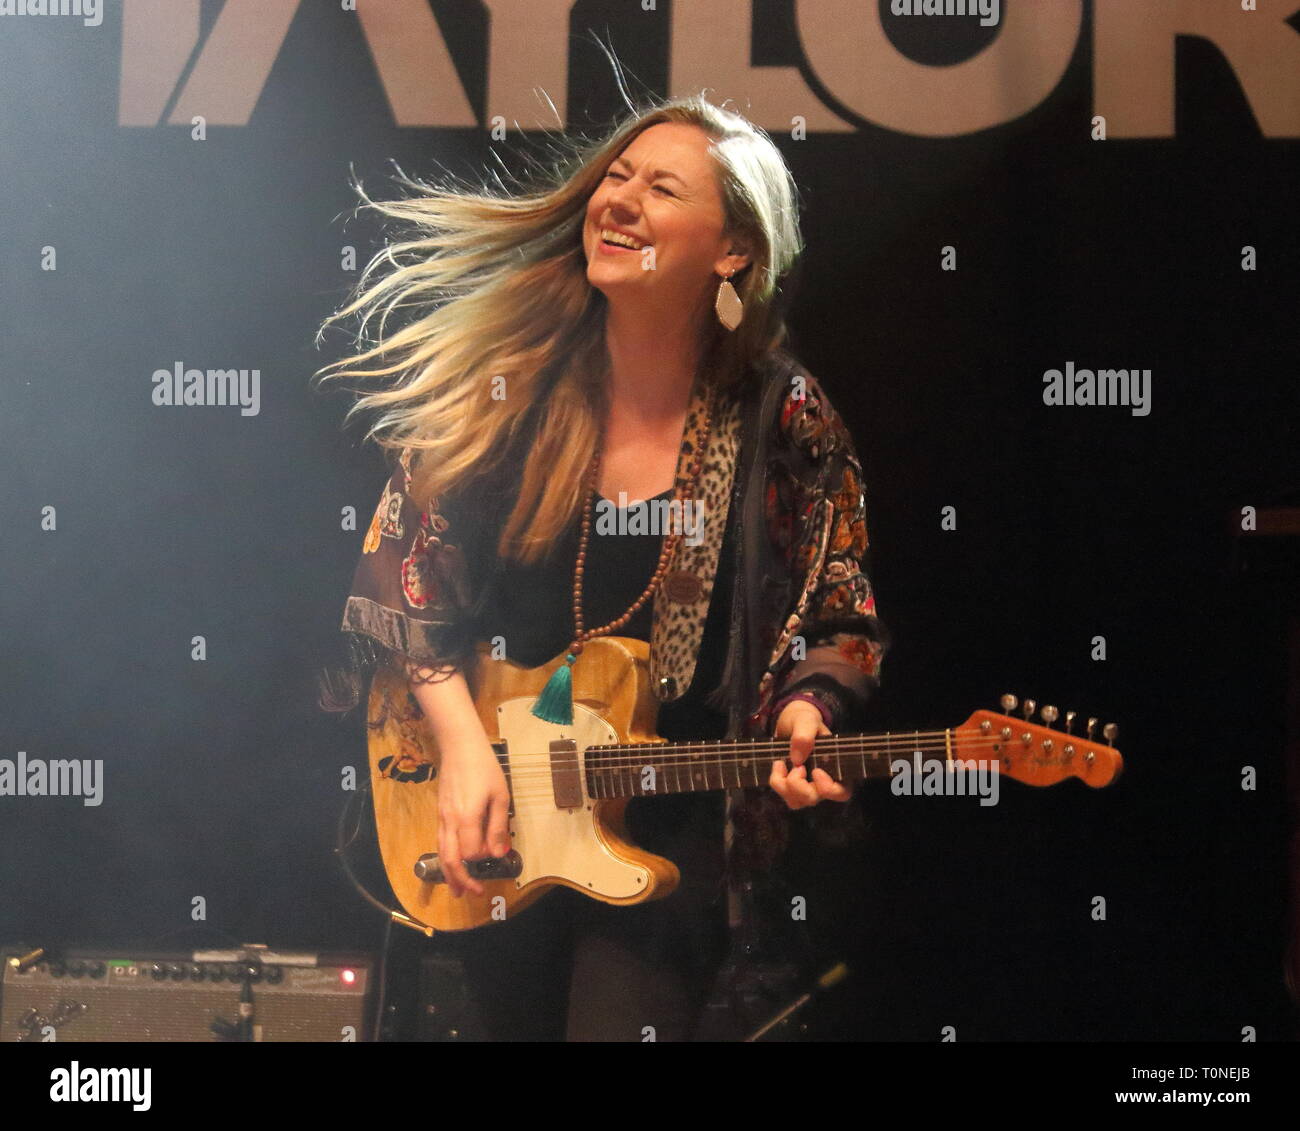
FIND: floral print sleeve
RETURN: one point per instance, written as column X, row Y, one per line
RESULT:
column 411, row 585
column 832, row 643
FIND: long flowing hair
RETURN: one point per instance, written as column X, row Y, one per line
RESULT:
column 497, row 316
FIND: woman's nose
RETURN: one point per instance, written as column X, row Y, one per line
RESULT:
column 625, row 196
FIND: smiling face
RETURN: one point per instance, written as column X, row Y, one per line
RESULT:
column 662, row 191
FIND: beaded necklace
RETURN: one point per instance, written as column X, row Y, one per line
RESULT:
column 555, row 704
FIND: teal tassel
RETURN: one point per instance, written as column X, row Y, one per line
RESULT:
column 555, row 704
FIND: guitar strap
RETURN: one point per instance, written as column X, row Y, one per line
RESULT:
column 681, row 604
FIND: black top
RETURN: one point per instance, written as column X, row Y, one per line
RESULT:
column 533, row 613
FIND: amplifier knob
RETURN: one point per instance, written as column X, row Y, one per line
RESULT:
column 275, row 975
column 76, row 968
column 57, row 969
column 98, row 970
column 157, row 971
column 196, row 973
column 177, row 972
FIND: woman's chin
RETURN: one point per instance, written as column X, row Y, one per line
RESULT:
column 610, row 281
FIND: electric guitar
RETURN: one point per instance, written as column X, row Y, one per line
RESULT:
column 569, row 784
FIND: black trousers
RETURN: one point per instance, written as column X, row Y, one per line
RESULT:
column 571, row 968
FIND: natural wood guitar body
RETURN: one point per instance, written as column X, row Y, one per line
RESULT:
column 582, row 847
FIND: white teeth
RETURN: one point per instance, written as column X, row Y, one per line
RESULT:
column 620, row 238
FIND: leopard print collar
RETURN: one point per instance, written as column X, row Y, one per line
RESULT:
column 681, row 604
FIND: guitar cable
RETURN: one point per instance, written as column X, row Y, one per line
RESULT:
column 390, row 914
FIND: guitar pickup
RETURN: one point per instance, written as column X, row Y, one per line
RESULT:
column 566, row 777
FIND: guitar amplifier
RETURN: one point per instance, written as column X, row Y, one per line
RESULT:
column 130, row 995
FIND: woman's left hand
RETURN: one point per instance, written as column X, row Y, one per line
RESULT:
column 802, row 724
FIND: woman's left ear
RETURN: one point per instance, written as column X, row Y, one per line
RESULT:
column 736, row 259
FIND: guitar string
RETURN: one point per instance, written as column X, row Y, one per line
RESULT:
column 840, row 746
column 825, row 746
column 851, row 744
column 543, row 769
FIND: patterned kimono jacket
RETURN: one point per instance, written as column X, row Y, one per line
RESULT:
column 803, row 615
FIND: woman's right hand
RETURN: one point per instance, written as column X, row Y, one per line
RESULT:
column 473, row 812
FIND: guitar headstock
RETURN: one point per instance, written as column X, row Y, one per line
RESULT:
column 1038, row 754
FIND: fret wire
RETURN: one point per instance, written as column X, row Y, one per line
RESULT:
column 543, row 767
column 630, row 764
column 832, row 742
column 826, row 748
column 523, row 785
column 613, row 759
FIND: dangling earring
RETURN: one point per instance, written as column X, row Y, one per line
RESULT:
column 729, row 308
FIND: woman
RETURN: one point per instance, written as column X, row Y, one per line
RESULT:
column 581, row 346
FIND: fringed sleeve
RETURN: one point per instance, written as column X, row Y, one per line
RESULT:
column 410, row 599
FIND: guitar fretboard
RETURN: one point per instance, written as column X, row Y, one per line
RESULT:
column 653, row 769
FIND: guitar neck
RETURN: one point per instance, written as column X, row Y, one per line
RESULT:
column 654, row 770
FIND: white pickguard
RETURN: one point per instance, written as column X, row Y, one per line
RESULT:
column 559, row 843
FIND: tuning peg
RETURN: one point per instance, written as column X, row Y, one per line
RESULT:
column 1092, row 725
column 1009, row 702
column 1069, row 722
column 1110, row 730
column 1027, row 708
column 1049, row 714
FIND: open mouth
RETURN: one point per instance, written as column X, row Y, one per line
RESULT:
column 616, row 241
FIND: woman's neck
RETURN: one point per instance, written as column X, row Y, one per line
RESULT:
column 652, row 368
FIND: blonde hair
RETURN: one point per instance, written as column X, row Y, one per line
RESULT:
column 498, row 283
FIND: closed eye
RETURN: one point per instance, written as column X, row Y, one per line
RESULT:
column 658, row 188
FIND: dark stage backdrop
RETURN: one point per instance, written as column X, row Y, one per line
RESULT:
column 1105, row 185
